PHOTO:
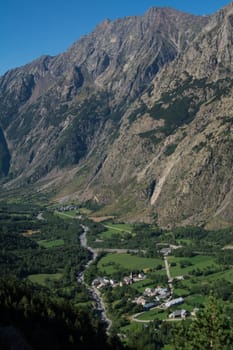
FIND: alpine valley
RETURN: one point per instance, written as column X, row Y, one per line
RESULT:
column 136, row 117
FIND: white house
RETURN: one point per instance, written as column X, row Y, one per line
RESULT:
column 173, row 302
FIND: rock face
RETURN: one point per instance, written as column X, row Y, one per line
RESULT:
column 136, row 116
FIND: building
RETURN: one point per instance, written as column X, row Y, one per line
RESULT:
column 148, row 306
column 140, row 300
column 127, row 280
column 173, row 302
column 165, row 251
column 179, row 314
column 150, row 292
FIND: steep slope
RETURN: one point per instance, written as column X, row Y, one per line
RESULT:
column 53, row 109
column 179, row 156
column 203, row 160
column 192, row 176
column 136, row 116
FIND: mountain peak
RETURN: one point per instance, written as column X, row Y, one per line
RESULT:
column 136, row 114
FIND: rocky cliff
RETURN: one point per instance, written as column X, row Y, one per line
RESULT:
column 136, row 116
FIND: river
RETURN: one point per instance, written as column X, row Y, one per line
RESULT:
column 94, row 291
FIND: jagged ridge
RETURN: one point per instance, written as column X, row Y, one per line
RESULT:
column 136, row 115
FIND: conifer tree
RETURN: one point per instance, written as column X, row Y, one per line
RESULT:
column 211, row 330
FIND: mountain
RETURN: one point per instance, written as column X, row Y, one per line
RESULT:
column 136, row 116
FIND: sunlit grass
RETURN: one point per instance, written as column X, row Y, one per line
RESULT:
column 51, row 244
column 43, row 278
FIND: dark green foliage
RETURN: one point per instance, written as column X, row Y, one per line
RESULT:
column 138, row 113
column 210, row 330
column 148, row 338
column 143, row 236
column 192, row 232
column 179, row 106
column 151, row 135
column 184, row 252
column 12, row 241
column 170, row 149
column 220, row 289
column 177, row 114
column 225, row 258
column 20, row 255
column 45, row 323
column 92, row 205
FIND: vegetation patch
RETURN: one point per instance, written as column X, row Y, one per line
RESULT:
column 113, row 229
column 127, row 261
column 187, row 265
column 170, row 149
column 154, row 314
column 44, row 278
column 51, row 243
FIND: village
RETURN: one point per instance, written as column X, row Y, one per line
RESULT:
column 157, row 297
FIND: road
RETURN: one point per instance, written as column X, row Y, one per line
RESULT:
column 168, row 274
column 95, row 292
column 135, row 317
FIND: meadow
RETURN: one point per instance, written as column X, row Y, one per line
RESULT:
column 113, row 229
column 186, row 265
column 127, row 261
column 51, row 243
column 43, row 278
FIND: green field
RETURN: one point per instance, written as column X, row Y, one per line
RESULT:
column 51, row 243
column 141, row 285
column 193, row 301
column 153, row 314
column 67, row 215
column 167, row 347
column 44, row 277
column 227, row 274
column 197, row 262
column 132, row 327
column 127, row 261
column 113, row 229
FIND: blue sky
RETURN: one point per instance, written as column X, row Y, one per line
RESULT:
column 31, row 28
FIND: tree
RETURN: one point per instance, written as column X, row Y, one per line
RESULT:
column 210, row 331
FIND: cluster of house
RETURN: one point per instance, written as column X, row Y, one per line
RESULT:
column 101, row 282
column 152, row 297
column 67, row 208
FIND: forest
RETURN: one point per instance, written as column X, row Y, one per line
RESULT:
column 43, row 306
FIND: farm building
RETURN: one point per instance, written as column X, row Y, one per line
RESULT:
column 148, row 306
column 173, row 302
column 179, row 314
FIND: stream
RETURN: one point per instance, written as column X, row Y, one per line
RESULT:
column 94, row 291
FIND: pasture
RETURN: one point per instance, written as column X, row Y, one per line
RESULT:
column 71, row 214
column 113, row 229
column 153, row 314
column 186, row 265
column 43, row 278
column 111, row 261
column 51, row 243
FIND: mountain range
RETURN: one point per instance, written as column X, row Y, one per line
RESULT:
column 135, row 117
